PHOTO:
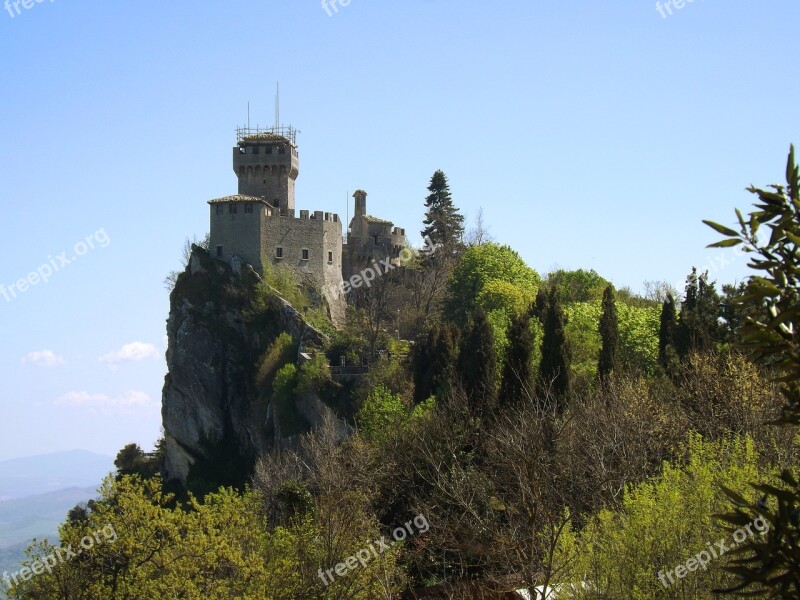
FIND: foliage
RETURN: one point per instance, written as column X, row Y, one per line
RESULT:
column 667, row 355
column 132, row 460
column 280, row 352
column 382, row 414
column 433, row 361
column 481, row 265
column 638, row 338
column 698, row 327
column 517, row 382
column 477, row 364
column 773, row 337
column 664, row 522
column 284, row 397
column 443, row 223
column 222, row 548
column 554, row 370
column 609, row 335
column 314, row 374
column 577, row 286
column 502, row 302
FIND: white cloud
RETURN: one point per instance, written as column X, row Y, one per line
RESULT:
column 129, row 403
column 133, row 352
column 43, row 358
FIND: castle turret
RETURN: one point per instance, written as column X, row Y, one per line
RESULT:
column 361, row 203
column 266, row 162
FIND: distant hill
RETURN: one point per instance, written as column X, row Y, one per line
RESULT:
column 23, row 519
column 35, row 475
column 36, row 493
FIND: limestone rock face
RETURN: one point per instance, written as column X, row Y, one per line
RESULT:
column 214, row 415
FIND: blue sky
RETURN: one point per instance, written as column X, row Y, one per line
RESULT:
column 592, row 134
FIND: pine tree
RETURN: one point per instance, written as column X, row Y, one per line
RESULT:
column 554, row 368
column 477, row 364
column 667, row 355
column 443, row 223
column 517, row 381
column 609, row 334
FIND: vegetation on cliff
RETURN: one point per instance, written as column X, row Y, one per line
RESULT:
column 551, row 431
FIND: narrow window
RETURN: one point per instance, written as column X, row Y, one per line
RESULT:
column 232, row 209
column 330, row 258
column 256, row 149
column 278, row 252
column 219, row 251
column 219, row 209
column 248, row 208
column 305, row 254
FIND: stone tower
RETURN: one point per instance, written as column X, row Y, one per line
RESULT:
column 258, row 226
column 267, row 165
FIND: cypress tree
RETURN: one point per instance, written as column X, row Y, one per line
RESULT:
column 517, row 381
column 698, row 327
column 609, row 334
column 554, row 368
column 433, row 362
column 443, row 223
column 666, row 335
column 477, row 364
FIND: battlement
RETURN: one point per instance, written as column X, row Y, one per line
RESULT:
column 305, row 215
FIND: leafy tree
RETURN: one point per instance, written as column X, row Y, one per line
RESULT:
column 577, row 286
column 554, row 370
column 132, row 460
column 633, row 552
column 609, row 333
column 477, row 364
column 773, row 337
column 517, row 379
column 382, row 413
column 583, row 339
column 443, row 223
column 481, row 265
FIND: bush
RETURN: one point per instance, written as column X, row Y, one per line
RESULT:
column 663, row 523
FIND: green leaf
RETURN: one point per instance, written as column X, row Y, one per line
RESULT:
column 726, row 243
column 720, row 228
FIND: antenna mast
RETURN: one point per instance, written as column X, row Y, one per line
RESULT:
column 277, row 105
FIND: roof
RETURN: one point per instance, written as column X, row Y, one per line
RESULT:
column 371, row 219
column 264, row 137
column 237, row 198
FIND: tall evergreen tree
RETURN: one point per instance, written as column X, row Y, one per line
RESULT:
column 667, row 355
column 433, row 362
column 609, row 335
column 540, row 305
column 517, row 381
column 554, row 368
column 443, row 223
column 699, row 325
column 477, row 364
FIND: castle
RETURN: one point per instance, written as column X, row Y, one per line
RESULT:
column 258, row 225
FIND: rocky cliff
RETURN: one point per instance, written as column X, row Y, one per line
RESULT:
column 216, row 418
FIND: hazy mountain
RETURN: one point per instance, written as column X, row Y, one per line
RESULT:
column 36, row 493
column 34, row 475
